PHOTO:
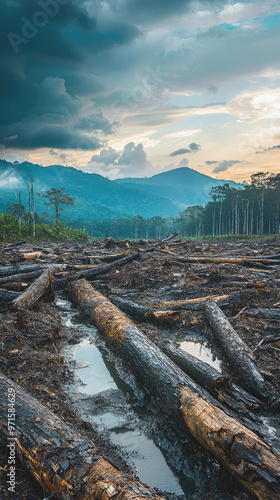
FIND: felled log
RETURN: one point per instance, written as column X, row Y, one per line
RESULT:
column 170, row 318
column 203, row 374
column 97, row 271
column 221, row 386
column 272, row 314
column 239, row 355
column 252, row 462
column 21, row 277
column 64, row 462
column 165, row 240
column 34, row 292
column 30, row 255
column 12, row 245
column 240, row 261
column 7, row 295
column 9, row 270
column 105, row 257
column 186, row 303
column 17, row 286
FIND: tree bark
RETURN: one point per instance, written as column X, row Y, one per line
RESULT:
column 34, row 292
column 8, row 296
column 61, row 459
column 253, row 463
column 21, row 277
column 97, row 271
column 220, row 386
column 169, row 318
column 240, row 261
column 199, row 301
column 11, row 245
column 9, row 270
column 272, row 314
column 239, row 355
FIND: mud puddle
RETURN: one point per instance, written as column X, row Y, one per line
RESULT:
column 200, row 350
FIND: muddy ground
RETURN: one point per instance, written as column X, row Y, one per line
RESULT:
column 31, row 341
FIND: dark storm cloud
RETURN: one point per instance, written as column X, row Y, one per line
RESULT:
column 43, row 45
column 192, row 147
column 96, row 121
column 148, row 11
column 56, row 136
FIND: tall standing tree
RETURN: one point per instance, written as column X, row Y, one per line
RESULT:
column 58, row 200
column 30, row 188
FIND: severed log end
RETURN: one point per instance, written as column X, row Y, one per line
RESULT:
column 170, row 318
column 239, row 449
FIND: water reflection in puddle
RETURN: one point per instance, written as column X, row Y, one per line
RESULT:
column 96, row 377
column 201, row 351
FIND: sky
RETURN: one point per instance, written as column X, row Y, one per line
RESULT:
column 132, row 88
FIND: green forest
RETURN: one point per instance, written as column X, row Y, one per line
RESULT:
column 253, row 209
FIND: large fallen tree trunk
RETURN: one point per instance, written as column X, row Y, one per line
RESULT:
column 169, row 318
column 63, row 461
column 9, row 270
column 238, row 354
column 253, row 463
column 34, row 292
column 103, row 269
column 221, row 386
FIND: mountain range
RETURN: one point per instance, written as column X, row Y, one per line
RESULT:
column 97, row 197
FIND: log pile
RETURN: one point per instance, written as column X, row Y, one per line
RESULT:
column 225, row 293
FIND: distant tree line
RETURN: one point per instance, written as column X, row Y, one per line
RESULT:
column 252, row 209
column 126, row 228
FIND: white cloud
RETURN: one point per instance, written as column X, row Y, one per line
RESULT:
column 132, row 161
column 256, row 105
column 9, row 180
column 183, row 133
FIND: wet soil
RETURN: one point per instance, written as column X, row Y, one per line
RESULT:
column 33, row 342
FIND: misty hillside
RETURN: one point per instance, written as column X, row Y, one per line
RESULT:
column 99, row 198
column 182, row 186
